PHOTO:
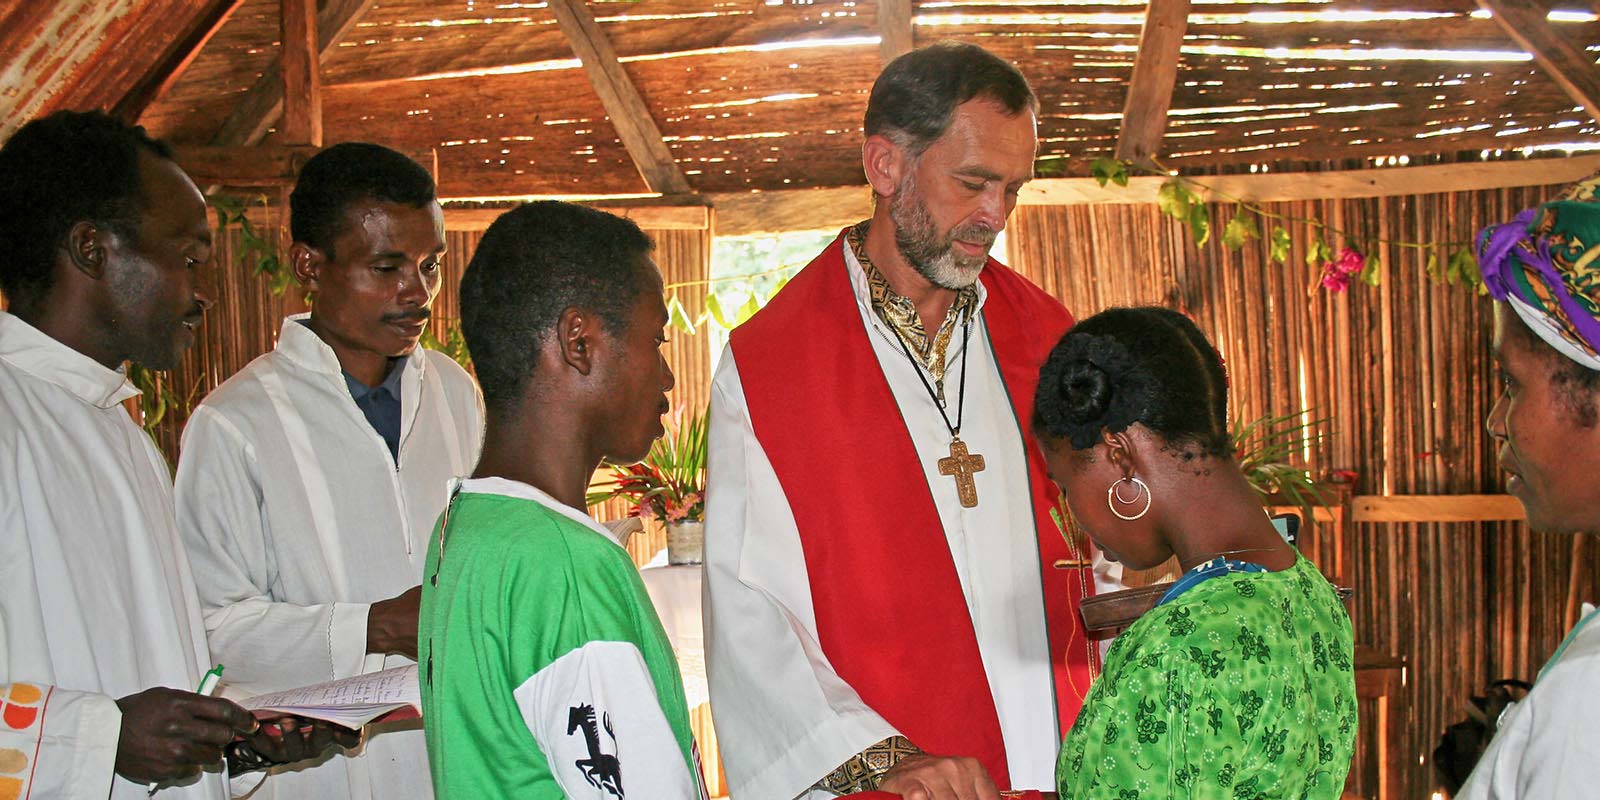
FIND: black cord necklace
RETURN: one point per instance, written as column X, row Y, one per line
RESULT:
column 960, row 464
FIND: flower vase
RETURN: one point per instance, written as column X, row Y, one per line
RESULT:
column 686, row 542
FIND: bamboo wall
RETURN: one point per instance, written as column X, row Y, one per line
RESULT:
column 1404, row 372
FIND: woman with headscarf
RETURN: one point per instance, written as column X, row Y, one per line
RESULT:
column 1239, row 684
column 1541, row 270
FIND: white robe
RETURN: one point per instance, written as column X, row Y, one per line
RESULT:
column 297, row 518
column 96, row 597
column 784, row 718
column 1547, row 747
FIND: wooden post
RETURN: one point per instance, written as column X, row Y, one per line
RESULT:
column 1527, row 23
column 262, row 105
column 300, row 64
column 1155, row 72
column 894, row 26
column 627, row 110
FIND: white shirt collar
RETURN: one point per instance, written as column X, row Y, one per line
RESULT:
column 34, row 352
column 303, row 346
column 517, row 489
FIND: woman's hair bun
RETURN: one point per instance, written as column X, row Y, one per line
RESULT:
column 1096, row 384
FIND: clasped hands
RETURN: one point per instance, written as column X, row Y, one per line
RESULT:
column 169, row 735
column 930, row 777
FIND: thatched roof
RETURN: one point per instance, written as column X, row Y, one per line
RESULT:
column 768, row 94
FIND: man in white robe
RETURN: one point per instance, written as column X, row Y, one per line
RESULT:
column 101, row 638
column 885, row 611
column 309, row 482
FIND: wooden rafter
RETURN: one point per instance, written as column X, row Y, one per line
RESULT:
column 622, row 101
column 136, row 56
column 263, row 165
column 262, row 105
column 894, row 25
column 299, row 65
column 172, row 61
column 44, row 45
column 243, row 165
column 1527, row 23
column 1155, row 72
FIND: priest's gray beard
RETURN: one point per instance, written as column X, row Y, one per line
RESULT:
column 935, row 257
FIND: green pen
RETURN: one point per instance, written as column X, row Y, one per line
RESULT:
column 208, row 684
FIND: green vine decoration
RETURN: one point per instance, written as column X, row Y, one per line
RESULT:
column 260, row 252
column 1182, row 198
column 454, row 344
column 156, row 399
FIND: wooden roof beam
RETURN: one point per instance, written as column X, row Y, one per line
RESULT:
column 622, row 101
column 894, row 25
column 170, row 65
column 299, row 65
column 747, row 213
column 42, row 46
column 1527, row 23
column 263, row 165
column 262, row 105
column 1155, row 72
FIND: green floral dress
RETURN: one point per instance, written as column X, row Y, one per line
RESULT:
column 1240, row 688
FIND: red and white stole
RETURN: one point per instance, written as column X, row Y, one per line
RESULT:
column 891, row 615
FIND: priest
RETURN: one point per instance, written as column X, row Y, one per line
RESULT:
column 890, row 604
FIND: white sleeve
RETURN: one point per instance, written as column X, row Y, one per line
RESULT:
column 1546, row 745
column 784, row 718
column 54, row 743
column 267, row 645
column 596, row 718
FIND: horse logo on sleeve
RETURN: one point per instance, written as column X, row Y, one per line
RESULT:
column 601, row 770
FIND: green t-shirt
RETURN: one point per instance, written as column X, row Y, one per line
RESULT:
column 545, row 670
column 1241, row 688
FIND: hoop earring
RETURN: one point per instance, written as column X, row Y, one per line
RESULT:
column 1113, row 497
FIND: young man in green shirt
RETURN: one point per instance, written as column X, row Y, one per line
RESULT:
column 545, row 671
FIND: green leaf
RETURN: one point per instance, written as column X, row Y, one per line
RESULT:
column 1240, row 229
column 1200, row 223
column 1463, row 267
column 718, row 315
column 1369, row 272
column 1174, row 200
column 1278, row 247
column 1106, row 169
column 678, row 316
column 748, row 310
column 1432, row 269
column 1318, row 252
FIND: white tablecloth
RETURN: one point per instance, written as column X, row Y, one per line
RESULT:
column 675, row 590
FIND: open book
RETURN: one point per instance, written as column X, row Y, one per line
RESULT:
column 392, row 694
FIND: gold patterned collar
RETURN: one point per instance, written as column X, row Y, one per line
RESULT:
column 900, row 314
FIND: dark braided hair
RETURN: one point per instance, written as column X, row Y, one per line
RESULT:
column 1124, row 365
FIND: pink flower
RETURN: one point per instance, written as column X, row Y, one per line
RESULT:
column 645, row 510
column 1350, row 262
column 680, row 510
column 1333, row 280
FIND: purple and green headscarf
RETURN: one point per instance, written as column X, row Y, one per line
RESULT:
column 1545, row 264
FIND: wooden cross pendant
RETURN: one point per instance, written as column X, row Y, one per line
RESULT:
column 961, row 465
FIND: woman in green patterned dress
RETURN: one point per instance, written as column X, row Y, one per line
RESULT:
column 1239, row 684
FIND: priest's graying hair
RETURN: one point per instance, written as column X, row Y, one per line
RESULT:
column 915, row 96
column 534, row 262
